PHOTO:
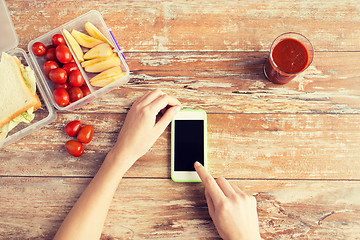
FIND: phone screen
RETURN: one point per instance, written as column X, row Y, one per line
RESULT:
column 189, row 144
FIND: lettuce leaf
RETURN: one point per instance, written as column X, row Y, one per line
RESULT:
column 29, row 77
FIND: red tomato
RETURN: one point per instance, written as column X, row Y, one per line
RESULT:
column 50, row 54
column 61, row 97
column 58, row 75
column 72, row 128
column 65, row 85
column 48, row 66
column 74, row 148
column 68, row 67
column 57, row 39
column 85, row 89
column 49, row 46
column 75, row 94
column 63, row 53
column 76, row 79
column 38, row 49
column 85, row 134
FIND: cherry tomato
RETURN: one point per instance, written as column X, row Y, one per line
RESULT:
column 85, row 134
column 63, row 53
column 72, row 128
column 58, row 75
column 68, row 67
column 85, row 89
column 48, row 66
column 74, row 148
column 65, row 85
column 76, row 79
column 57, row 39
column 49, row 46
column 75, row 94
column 61, row 97
column 38, row 49
column 51, row 54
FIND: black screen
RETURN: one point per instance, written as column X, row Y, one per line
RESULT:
column 189, row 144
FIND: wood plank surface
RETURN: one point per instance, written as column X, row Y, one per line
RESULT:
column 224, row 25
column 295, row 147
column 266, row 146
column 162, row 209
column 234, row 83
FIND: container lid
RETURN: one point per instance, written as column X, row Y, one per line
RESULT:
column 8, row 38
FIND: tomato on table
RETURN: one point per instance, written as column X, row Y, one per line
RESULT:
column 74, row 148
column 72, row 128
column 38, row 49
column 61, row 97
column 85, row 134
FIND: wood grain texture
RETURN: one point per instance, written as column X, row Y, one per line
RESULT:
column 287, row 210
column 234, row 83
column 200, row 25
column 266, row 146
column 295, row 146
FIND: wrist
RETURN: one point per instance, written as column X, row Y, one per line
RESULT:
column 119, row 159
column 122, row 151
column 110, row 167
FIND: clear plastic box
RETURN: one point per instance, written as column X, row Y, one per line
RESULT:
column 47, row 114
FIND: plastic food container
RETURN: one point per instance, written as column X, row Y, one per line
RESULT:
column 47, row 113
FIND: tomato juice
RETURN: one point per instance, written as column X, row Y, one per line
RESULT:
column 288, row 57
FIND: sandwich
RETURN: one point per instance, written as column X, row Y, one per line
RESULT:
column 18, row 98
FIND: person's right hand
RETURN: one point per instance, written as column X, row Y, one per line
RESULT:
column 233, row 212
column 140, row 129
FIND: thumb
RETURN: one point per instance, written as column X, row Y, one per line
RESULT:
column 166, row 119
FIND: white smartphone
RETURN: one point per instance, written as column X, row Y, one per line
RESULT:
column 188, row 144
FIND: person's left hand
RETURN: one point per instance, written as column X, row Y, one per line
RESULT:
column 140, row 129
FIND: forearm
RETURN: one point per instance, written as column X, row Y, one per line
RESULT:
column 86, row 219
column 138, row 133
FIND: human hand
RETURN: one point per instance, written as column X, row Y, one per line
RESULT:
column 233, row 212
column 140, row 129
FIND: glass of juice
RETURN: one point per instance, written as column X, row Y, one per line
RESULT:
column 290, row 54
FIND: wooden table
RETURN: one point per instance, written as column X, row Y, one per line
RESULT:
column 296, row 147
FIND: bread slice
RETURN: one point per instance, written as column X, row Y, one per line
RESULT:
column 15, row 96
column 38, row 102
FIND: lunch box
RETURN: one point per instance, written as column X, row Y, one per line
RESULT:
column 45, row 87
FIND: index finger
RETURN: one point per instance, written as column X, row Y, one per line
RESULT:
column 150, row 96
column 210, row 184
column 162, row 101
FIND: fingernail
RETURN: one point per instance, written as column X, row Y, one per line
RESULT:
column 197, row 164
